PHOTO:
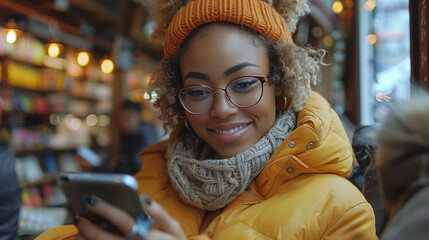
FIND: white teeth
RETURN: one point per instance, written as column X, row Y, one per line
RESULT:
column 230, row 131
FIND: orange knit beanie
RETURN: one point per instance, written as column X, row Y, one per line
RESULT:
column 256, row 14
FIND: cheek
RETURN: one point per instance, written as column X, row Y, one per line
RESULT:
column 267, row 105
column 266, row 112
column 193, row 122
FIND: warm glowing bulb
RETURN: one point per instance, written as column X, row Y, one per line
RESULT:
column 328, row 41
column 107, row 66
column 83, row 58
column 11, row 36
column 146, row 96
column 371, row 39
column 53, row 50
column 75, row 124
column 337, row 7
column 91, row 120
column 103, row 120
column 370, row 5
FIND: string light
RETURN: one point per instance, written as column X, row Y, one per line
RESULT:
column 146, row 96
column 54, row 48
column 82, row 58
column 337, row 7
column 103, row 120
column 11, row 31
column 371, row 39
column 107, row 65
column 11, row 36
column 91, row 120
column 370, row 5
column 328, row 41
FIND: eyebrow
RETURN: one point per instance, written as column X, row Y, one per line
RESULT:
column 198, row 75
column 238, row 67
column 228, row 72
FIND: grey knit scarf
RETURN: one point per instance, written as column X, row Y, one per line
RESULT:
column 211, row 184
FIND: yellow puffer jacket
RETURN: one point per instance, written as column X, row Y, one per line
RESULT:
column 302, row 193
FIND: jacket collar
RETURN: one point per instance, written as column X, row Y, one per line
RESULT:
column 319, row 144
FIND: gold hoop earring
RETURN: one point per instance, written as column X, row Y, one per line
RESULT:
column 282, row 103
column 187, row 125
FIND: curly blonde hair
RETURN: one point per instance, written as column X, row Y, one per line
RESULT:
column 292, row 68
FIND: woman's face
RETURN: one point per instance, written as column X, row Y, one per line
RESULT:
column 215, row 56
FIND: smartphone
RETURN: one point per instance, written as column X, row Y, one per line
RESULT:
column 88, row 154
column 117, row 189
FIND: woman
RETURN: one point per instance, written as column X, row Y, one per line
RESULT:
column 255, row 154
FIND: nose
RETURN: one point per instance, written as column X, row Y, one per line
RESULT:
column 222, row 107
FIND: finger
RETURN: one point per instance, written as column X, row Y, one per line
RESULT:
column 164, row 221
column 114, row 215
column 88, row 230
column 158, row 235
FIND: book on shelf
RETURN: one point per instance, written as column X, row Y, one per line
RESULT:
column 35, row 220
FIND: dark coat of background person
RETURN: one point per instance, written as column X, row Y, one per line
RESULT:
column 365, row 175
column 134, row 137
column 132, row 144
column 10, row 194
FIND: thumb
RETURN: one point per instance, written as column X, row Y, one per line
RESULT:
column 161, row 217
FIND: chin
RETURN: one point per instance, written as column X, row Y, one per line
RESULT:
column 227, row 153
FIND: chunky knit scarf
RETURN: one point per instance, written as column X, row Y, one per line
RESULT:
column 211, row 184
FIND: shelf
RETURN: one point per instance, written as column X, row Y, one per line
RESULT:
column 26, row 114
column 91, row 80
column 89, row 99
column 30, row 90
column 39, row 151
column 24, row 62
column 27, row 63
column 46, row 179
column 41, row 91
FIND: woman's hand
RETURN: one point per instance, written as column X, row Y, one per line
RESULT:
column 167, row 227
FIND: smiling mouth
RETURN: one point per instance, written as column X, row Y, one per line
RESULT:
column 231, row 131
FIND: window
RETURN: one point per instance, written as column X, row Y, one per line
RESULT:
column 385, row 68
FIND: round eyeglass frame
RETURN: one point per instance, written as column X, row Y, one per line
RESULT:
column 261, row 78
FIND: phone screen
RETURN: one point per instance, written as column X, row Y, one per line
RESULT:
column 116, row 189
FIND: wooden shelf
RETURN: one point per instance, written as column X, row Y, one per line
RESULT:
column 26, row 62
column 38, row 151
column 89, row 99
column 86, row 78
column 30, row 90
column 46, row 179
column 26, row 114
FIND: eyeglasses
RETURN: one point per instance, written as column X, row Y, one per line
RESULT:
column 245, row 91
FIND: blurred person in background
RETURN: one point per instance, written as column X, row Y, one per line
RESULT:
column 403, row 162
column 10, row 192
column 135, row 135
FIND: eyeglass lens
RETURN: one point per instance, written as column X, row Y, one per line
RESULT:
column 242, row 92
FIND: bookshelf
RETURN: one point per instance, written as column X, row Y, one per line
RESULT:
column 50, row 106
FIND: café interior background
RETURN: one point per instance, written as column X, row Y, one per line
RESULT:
column 66, row 66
